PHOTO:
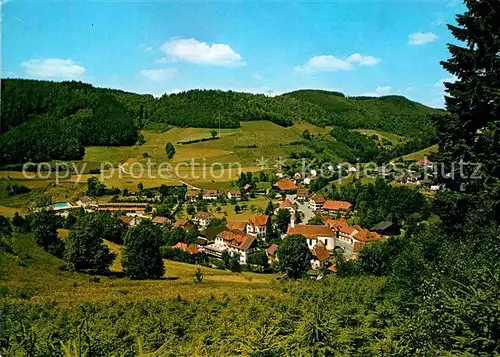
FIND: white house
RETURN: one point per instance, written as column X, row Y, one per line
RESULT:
column 235, row 243
column 288, row 205
column 316, row 202
column 203, row 219
column 319, row 256
column 210, row 195
column 314, row 234
column 257, row 226
column 236, row 194
column 192, row 196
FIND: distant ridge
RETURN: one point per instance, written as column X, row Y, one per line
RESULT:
column 43, row 120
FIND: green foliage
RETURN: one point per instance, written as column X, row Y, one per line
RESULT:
column 234, row 263
column 42, row 121
column 259, row 258
column 394, row 114
column 170, row 150
column 141, row 256
column 44, row 225
column 379, row 201
column 283, row 220
column 198, row 277
column 85, row 247
column 294, row 256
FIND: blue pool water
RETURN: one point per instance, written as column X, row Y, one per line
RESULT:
column 61, row 205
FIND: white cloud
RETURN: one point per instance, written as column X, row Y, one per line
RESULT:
column 325, row 64
column 54, row 68
column 363, row 60
column 159, row 74
column 421, row 38
column 440, row 83
column 379, row 91
column 329, row 63
column 194, row 51
column 257, row 76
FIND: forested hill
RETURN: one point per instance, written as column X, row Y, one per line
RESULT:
column 44, row 120
column 47, row 120
column 395, row 114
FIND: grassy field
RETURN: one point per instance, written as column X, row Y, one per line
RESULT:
column 32, row 275
column 421, row 154
column 271, row 141
column 394, row 138
column 260, row 204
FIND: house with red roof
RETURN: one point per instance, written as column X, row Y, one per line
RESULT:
column 190, row 248
column 257, row 226
column 192, row 196
column 236, row 226
column 160, row 220
column 288, row 205
column 351, row 239
column 302, row 194
column 236, row 243
column 271, row 253
column 285, row 185
column 319, row 256
column 128, row 221
column 316, row 202
column 425, row 162
column 337, row 207
column 210, row 195
column 181, row 223
column 314, row 234
column 203, row 219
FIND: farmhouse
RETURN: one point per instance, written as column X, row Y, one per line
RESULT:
column 319, row 256
column 285, row 185
column 86, row 202
column 336, row 207
column 190, row 248
column 316, row 202
column 257, row 226
column 160, row 220
column 192, row 196
column 235, row 243
column 302, row 194
column 271, row 253
column 314, row 234
column 234, row 194
column 237, row 226
column 288, row 205
column 128, row 221
column 181, row 223
column 203, row 219
column 424, row 163
column 210, row 195
column 351, row 239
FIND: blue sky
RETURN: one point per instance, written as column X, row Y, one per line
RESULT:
column 357, row 47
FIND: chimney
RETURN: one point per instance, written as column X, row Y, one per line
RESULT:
column 292, row 220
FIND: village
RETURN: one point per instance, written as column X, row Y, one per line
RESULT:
column 328, row 226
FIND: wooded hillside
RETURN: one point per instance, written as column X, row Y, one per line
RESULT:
column 44, row 120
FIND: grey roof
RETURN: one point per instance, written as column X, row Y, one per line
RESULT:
column 382, row 226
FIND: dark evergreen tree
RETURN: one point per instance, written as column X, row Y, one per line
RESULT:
column 471, row 131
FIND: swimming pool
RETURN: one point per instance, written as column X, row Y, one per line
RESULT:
column 61, row 206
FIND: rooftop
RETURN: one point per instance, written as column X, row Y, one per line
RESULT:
column 310, row 231
column 337, row 205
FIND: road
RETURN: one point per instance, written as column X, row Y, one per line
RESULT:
column 303, row 207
